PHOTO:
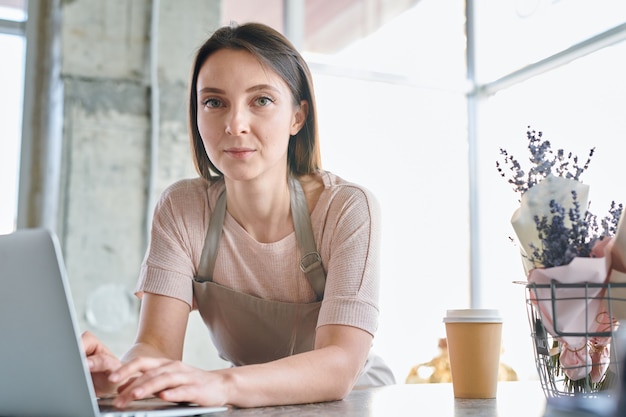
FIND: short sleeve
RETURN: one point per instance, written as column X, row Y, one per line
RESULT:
column 177, row 236
column 350, row 242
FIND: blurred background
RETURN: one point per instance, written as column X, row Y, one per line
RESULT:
column 415, row 100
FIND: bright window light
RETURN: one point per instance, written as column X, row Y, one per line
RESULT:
column 11, row 80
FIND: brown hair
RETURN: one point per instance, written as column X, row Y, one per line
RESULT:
column 272, row 49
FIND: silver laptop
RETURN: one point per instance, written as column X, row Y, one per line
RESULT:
column 43, row 370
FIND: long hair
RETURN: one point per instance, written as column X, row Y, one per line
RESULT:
column 273, row 50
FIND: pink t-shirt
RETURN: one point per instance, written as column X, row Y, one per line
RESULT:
column 346, row 227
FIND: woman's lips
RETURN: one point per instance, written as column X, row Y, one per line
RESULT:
column 239, row 153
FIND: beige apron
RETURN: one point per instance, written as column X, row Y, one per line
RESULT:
column 247, row 329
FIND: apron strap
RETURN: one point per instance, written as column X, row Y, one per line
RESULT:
column 212, row 240
column 310, row 262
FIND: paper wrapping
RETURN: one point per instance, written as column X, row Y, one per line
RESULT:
column 536, row 202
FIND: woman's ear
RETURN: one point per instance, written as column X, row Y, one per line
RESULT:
column 299, row 117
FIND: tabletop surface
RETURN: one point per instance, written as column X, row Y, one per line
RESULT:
column 513, row 399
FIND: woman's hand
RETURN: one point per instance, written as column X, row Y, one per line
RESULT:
column 170, row 380
column 101, row 364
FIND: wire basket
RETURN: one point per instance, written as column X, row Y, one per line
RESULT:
column 545, row 305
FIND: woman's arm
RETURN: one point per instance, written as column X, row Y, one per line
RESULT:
column 324, row 374
column 162, row 326
column 161, row 335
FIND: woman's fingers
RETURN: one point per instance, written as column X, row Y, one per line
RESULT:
column 99, row 357
column 101, row 363
column 136, row 366
column 145, row 377
column 90, row 342
column 155, row 377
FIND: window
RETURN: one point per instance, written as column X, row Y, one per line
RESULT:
column 576, row 99
column 393, row 118
column 12, row 50
column 577, row 107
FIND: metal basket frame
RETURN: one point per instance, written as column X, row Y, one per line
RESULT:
column 546, row 346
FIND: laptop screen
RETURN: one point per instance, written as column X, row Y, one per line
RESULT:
column 42, row 365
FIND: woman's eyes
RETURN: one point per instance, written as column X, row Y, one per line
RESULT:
column 260, row 101
column 212, row 103
column 263, row 101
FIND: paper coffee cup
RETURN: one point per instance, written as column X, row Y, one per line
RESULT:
column 474, row 339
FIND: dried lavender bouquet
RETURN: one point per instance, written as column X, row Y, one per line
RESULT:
column 558, row 238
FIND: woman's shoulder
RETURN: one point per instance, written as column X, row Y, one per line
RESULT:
column 338, row 186
column 191, row 190
column 190, row 186
column 338, row 191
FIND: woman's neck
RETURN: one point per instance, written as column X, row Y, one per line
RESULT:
column 263, row 209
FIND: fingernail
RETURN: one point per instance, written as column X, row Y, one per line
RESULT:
column 114, row 377
column 89, row 363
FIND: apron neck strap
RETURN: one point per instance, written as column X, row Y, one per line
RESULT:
column 310, row 262
column 212, row 240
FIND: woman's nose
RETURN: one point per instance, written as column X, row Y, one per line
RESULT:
column 237, row 122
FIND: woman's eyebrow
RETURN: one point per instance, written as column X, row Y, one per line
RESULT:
column 263, row 87
column 211, row 90
column 258, row 87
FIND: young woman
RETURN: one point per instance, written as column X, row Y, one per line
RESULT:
column 279, row 256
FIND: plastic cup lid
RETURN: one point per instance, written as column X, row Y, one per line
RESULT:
column 473, row 315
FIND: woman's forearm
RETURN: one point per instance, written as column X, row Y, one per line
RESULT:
column 325, row 374
column 321, row 375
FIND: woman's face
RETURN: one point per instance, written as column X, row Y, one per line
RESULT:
column 246, row 114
